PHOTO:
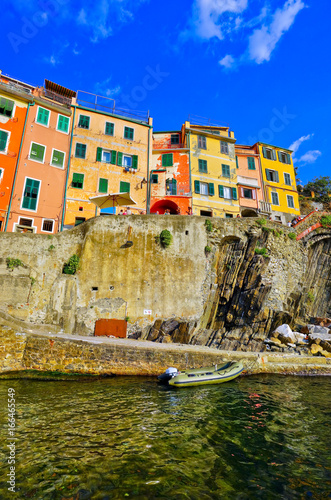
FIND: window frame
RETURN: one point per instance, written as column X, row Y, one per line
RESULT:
column 80, row 144
column 286, row 156
column 251, row 192
column 89, row 121
column 5, row 151
column 273, row 154
column 172, row 136
column 272, row 201
column 42, row 225
column 72, row 180
column 250, row 162
column 64, row 159
column 205, row 164
column 230, row 191
column 127, row 156
column 154, row 178
column 272, row 170
column 57, row 124
column 289, row 175
column 32, row 159
column 202, row 142
column 126, row 128
column 205, row 184
column 107, row 182
column 49, row 116
column 125, row 182
column 287, row 199
column 22, row 197
column 224, row 145
column 228, row 167
column 113, row 128
column 164, row 157
column 13, row 110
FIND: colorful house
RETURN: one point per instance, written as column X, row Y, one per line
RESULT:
column 279, row 182
column 38, row 191
column 249, row 175
column 110, row 154
column 169, row 183
column 15, row 99
column 213, row 170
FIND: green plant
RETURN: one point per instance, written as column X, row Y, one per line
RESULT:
column 127, row 318
column 326, row 221
column 11, row 263
column 209, row 226
column 33, row 280
column 228, row 266
column 311, row 296
column 51, row 248
column 72, row 265
column 280, row 232
column 261, row 251
column 292, row 236
column 49, row 236
column 261, row 222
column 267, row 229
column 165, row 238
column 207, row 249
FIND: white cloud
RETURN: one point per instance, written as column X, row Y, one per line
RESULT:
column 105, row 88
column 263, row 40
column 296, row 144
column 310, row 156
column 228, row 61
column 207, row 14
column 51, row 60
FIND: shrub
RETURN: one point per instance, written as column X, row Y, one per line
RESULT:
column 326, row 221
column 261, row 251
column 261, row 222
column 11, row 263
column 311, row 296
column 267, row 229
column 208, row 225
column 292, row 236
column 165, row 238
column 207, row 249
column 72, row 265
column 51, row 248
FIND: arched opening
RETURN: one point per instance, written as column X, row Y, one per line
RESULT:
column 162, row 205
column 249, row 212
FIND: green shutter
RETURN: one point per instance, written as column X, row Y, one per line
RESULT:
column 43, row 115
column 58, row 158
column 109, row 128
column 113, row 157
column 221, row 191
column 80, row 150
column 119, row 158
column 77, row 181
column 3, row 140
column 124, row 187
column 155, row 179
column 63, row 123
column 267, row 173
column 37, row 152
column 273, row 155
column 277, row 176
column 237, row 161
column 251, row 163
column 225, row 171
column 211, row 190
column 197, row 187
column 99, row 154
column 103, row 185
column 174, row 186
column 234, row 194
column 84, row 122
column 167, row 160
column 30, row 195
column 128, row 133
column 288, row 157
column 135, row 162
column 203, row 166
column 6, row 107
column 264, row 152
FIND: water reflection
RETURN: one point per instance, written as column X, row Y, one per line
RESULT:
column 256, row 437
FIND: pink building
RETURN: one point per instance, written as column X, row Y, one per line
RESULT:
column 39, row 188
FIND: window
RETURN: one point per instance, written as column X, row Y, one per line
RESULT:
column 268, row 153
column 171, row 186
column 37, row 152
column 225, row 170
column 127, row 161
column 287, row 179
column 203, row 166
column 79, row 220
column 272, row 175
column 274, row 198
column 202, row 142
column 80, row 151
column 3, row 140
column 1, row 173
column 63, row 124
column 58, row 158
column 109, row 129
column 248, row 193
column 224, row 148
column 106, row 156
column 84, row 122
column 290, row 201
column 128, row 133
column 167, row 160
column 174, row 139
column 25, row 222
column 124, row 187
column 251, row 163
column 77, row 181
column 6, row 107
column 229, row 216
column 30, row 194
column 43, row 116
column 227, row 193
column 204, row 188
column 284, row 157
column 47, row 225
column 103, row 185
column 154, row 179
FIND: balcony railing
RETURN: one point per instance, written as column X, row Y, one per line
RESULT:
column 57, row 97
column 265, row 207
column 159, row 145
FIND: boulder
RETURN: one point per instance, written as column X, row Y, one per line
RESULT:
column 169, row 326
column 317, row 337
column 285, row 330
column 318, row 329
column 154, row 332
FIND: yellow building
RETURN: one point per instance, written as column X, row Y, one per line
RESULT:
column 109, row 154
column 213, row 171
column 279, row 182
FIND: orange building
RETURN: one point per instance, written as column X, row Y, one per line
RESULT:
column 15, row 99
column 169, row 182
column 249, row 178
column 39, row 188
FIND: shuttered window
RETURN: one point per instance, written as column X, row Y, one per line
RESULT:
column 154, row 179
column 171, row 186
column 224, row 148
column 274, row 198
column 77, row 181
column 203, row 166
column 284, row 157
column 6, row 107
column 287, row 179
column 174, row 139
column 221, row 191
column 211, row 190
column 103, row 185
column 84, row 122
column 58, row 158
column 197, row 187
column 202, row 142
column 290, row 201
column 268, row 153
column 80, row 151
column 3, row 140
column 37, row 152
column 124, row 187
column 63, row 123
column 234, row 193
column 43, row 116
column 167, row 160
column 251, row 163
column 128, row 133
column 225, row 170
column 109, row 129
column 30, row 194
column 272, row 175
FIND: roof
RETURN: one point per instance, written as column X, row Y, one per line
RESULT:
column 58, row 89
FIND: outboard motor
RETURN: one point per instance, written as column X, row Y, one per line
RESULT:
column 168, row 374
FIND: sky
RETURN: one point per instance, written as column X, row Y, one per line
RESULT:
column 258, row 66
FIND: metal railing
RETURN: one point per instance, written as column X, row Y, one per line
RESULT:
column 168, row 146
column 57, row 97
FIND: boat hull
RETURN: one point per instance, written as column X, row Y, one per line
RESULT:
column 192, row 378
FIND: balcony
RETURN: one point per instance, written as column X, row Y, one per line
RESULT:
column 167, row 145
column 265, row 207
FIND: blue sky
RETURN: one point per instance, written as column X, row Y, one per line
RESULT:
column 259, row 66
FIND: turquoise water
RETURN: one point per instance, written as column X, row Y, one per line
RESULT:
column 256, row 437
